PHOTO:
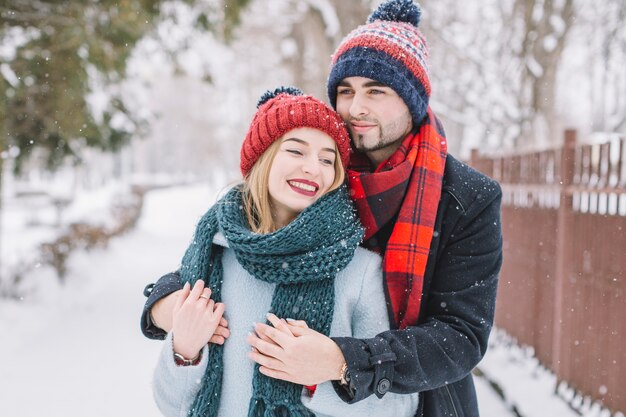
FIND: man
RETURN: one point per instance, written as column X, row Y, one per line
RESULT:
column 435, row 221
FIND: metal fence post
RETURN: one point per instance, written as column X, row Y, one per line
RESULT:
column 563, row 253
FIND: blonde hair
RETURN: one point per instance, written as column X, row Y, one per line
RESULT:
column 255, row 190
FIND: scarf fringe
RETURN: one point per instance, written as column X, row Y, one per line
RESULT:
column 260, row 407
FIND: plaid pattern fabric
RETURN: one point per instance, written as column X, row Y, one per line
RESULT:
column 407, row 184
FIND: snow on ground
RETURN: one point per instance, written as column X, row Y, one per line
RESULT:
column 528, row 386
column 77, row 350
column 489, row 403
column 29, row 219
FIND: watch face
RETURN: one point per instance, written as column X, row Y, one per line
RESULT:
column 179, row 359
column 182, row 361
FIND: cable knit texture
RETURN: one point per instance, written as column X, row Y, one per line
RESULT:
column 285, row 109
column 302, row 259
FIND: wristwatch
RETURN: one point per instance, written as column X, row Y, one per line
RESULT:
column 344, row 374
column 180, row 360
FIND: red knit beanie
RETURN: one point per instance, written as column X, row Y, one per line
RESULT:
column 285, row 109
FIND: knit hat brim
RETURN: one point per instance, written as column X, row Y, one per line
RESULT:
column 279, row 114
column 378, row 66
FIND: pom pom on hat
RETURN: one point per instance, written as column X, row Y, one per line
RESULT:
column 389, row 49
column 397, row 11
column 268, row 95
column 285, row 109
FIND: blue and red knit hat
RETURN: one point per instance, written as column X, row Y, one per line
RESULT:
column 285, row 109
column 389, row 49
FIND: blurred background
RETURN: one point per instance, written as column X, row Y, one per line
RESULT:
column 121, row 123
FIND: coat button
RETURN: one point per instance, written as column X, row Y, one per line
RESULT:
column 148, row 290
column 383, row 386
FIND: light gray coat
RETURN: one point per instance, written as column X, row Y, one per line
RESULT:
column 359, row 311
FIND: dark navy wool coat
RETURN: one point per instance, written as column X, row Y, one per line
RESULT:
column 436, row 357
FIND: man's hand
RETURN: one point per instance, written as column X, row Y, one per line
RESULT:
column 162, row 312
column 195, row 319
column 292, row 352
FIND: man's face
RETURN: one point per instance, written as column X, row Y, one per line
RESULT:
column 378, row 119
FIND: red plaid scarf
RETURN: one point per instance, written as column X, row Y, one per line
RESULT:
column 407, row 184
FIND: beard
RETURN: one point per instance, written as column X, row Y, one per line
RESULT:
column 382, row 137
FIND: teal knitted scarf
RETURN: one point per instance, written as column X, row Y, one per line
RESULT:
column 302, row 258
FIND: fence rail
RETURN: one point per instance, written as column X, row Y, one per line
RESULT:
column 563, row 282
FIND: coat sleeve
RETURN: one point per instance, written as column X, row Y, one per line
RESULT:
column 368, row 319
column 175, row 387
column 455, row 324
column 166, row 285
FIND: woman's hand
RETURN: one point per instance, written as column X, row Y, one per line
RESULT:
column 195, row 319
column 292, row 352
column 162, row 311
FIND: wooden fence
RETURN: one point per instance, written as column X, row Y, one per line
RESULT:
column 563, row 282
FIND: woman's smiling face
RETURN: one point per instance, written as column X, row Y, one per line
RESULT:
column 303, row 170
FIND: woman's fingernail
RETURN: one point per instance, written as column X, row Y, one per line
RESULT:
column 290, row 320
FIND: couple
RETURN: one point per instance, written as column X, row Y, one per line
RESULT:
column 284, row 247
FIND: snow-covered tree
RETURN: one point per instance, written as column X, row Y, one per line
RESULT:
column 52, row 52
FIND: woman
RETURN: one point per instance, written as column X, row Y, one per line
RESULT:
column 284, row 242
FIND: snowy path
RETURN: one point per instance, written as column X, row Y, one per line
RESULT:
column 78, row 350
